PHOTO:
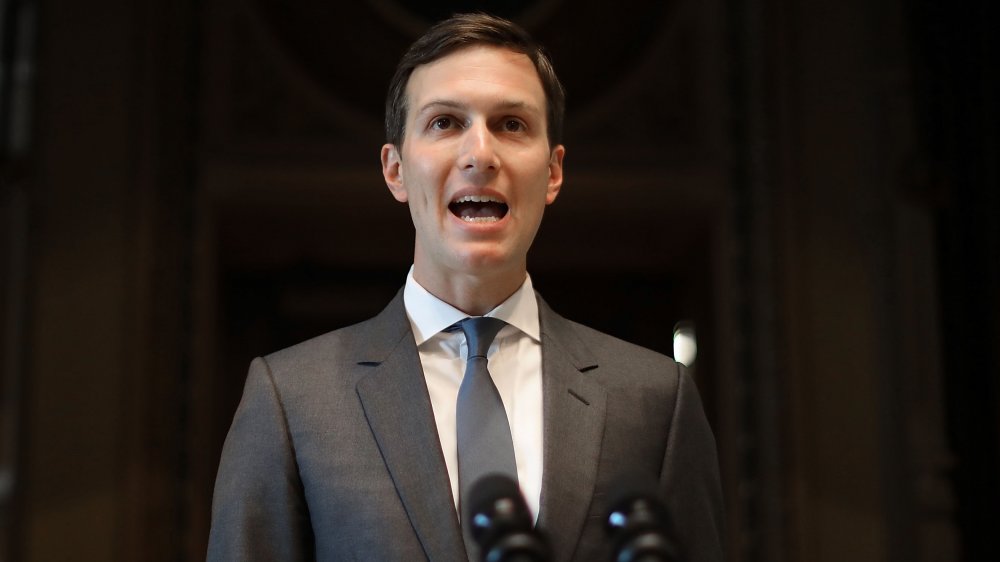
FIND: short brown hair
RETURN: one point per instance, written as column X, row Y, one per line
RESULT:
column 465, row 30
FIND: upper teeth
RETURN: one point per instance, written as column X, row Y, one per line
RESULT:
column 478, row 199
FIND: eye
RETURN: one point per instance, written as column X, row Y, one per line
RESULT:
column 513, row 126
column 443, row 123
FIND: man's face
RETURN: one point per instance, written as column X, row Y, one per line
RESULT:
column 475, row 167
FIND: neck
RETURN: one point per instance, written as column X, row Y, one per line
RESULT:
column 473, row 294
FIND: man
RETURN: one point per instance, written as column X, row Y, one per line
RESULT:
column 350, row 446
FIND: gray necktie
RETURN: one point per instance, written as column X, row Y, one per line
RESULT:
column 484, row 442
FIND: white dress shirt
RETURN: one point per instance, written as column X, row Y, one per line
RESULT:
column 515, row 363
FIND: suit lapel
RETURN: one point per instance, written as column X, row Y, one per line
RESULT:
column 397, row 406
column 574, row 413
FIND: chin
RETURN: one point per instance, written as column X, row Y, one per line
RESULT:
column 486, row 261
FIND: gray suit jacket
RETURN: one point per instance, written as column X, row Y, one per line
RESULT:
column 334, row 455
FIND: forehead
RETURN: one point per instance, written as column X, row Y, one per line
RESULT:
column 480, row 73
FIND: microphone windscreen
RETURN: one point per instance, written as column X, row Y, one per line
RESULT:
column 630, row 487
column 637, row 521
column 487, row 490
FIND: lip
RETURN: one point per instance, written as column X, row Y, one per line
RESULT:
column 479, row 226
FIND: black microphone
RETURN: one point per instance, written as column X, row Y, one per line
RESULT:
column 501, row 523
column 637, row 522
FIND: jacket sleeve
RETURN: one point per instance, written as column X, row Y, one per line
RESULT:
column 259, row 510
column 690, row 479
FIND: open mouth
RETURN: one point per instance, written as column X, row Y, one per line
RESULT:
column 478, row 208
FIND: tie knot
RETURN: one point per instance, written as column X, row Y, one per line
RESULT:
column 479, row 333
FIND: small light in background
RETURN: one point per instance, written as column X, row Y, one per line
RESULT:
column 685, row 345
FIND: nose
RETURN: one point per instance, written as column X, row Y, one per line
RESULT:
column 478, row 151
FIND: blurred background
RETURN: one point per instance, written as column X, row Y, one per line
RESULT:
column 810, row 187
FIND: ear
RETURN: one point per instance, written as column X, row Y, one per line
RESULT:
column 392, row 171
column 555, row 173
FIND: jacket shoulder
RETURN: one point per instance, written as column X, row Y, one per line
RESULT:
column 608, row 346
column 613, row 362
column 369, row 341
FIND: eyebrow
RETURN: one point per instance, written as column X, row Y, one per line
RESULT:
column 454, row 104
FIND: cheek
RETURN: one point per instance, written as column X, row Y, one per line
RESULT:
column 425, row 180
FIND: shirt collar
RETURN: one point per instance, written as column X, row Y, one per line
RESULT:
column 430, row 315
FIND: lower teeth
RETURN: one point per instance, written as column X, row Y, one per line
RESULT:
column 480, row 219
